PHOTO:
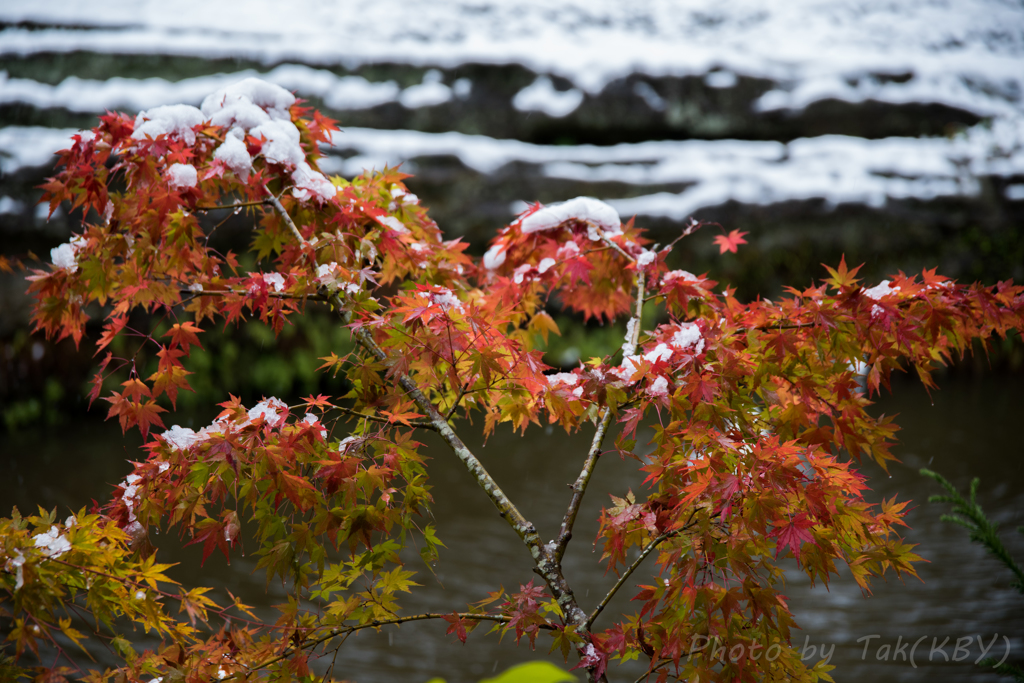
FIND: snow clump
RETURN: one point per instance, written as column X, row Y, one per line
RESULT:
column 182, row 176
column 658, row 388
column 275, row 280
column 565, row 380
column 495, row 256
column 174, row 120
column 688, row 335
column 596, row 214
column 325, row 271
column 131, row 494
column 404, row 196
column 673, row 275
column 15, row 564
column 260, row 109
column 880, row 290
column 310, row 418
column 393, row 223
column 520, row 273
column 248, row 103
column 270, row 410
column 883, row 288
column 180, row 438
column 687, row 338
column 625, row 371
column 235, row 155
column 661, row 352
column 65, row 256
column 629, row 347
column 646, row 258
column 52, row 543
column 444, row 298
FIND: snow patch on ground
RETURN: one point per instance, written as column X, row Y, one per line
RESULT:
column 87, row 95
column 963, row 53
column 542, row 96
column 837, row 169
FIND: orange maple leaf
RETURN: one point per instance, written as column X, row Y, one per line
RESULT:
column 730, row 242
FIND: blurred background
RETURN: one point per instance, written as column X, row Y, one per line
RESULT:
column 892, row 133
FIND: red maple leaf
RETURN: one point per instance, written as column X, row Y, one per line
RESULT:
column 793, row 535
column 730, row 242
column 458, row 626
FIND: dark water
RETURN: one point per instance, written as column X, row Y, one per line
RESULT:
column 967, row 429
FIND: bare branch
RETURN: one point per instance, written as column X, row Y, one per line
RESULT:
column 607, row 240
column 272, row 295
column 580, row 486
column 238, row 205
column 336, row 632
column 547, row 565
column 647, row 675
column 455, row 405
column 525, row 529
column 375, row 418
column 276, row 203
column 632, row 568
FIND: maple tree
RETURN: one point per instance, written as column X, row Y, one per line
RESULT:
column 759, row 412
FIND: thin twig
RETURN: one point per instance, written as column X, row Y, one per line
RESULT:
column 374, row 418
column 630, row 569
column 455, row 405
column 525, row 529
column 608, row 240
column 239, row 205
column 580, row 486
column 276, row 203
column 647, row 675
column 272, row 295
column 335, row 632
column 690, row 229
column 546, row 564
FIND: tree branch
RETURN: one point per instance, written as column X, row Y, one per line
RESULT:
column 547, row 565
column 272, row 295
column 336, row 632
column 455, row 405
column 580, row 486
column 607, row 240
column 374, row 418
column 525, row 529
column 276, row 203
column 506, row 508
column 239, row 205
column 647, row 675
column 632, row 568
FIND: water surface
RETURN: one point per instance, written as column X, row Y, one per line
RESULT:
column 965, row 430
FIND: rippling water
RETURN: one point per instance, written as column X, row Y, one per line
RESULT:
column 964, row 430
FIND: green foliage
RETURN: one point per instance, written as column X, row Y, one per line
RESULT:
column 529, row 672
column 968, row 514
